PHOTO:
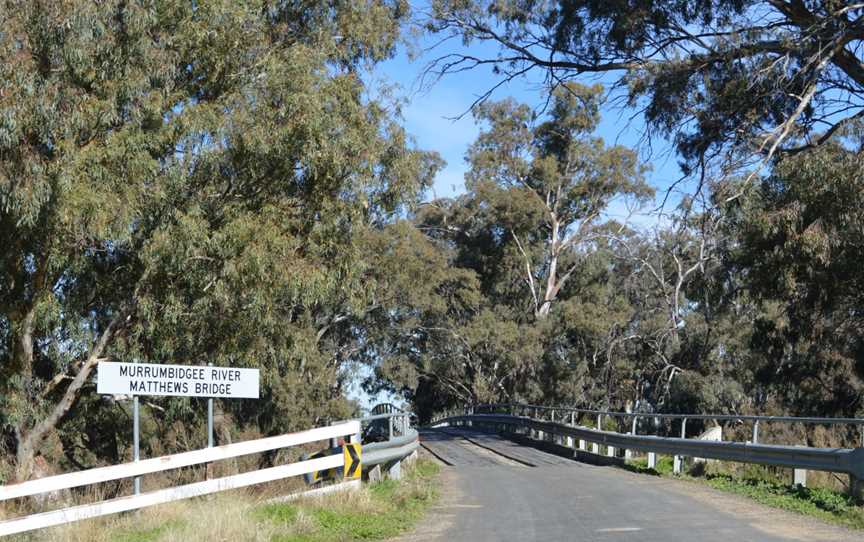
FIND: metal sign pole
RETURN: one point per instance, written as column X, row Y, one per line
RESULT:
column 210, row 418
column 136, row 379
column 210, row 422
column 136, row 453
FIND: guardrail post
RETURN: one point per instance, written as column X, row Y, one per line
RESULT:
column 856, row 488
column 595, row 448
column 610, row 450
column 628, row 454
column 394, row 472
column 756, row 432
column 571, row 443
column 652, row 460
column 678, row 461
column 799, row 477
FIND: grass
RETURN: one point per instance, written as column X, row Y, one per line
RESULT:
column 662, row 467
column 825, row 504
column 757, row 484
column 385, row 510
column 376, row 512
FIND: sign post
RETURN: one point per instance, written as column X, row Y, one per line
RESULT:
column 136, row 441
column 117, row 378
column 209, row 418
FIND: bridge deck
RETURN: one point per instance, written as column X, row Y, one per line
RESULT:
column 490, row 497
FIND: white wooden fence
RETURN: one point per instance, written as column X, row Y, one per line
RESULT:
column 148, row 466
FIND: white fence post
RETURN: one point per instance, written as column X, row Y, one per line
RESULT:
column 678, row 461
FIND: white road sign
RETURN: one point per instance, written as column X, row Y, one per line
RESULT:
column 183, row 380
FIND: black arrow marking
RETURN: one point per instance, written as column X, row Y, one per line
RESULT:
column 355, row 461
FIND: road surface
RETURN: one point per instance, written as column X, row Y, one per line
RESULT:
column 494, row 490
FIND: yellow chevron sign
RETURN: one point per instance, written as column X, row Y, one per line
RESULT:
column 352, row 453
column 320, row 475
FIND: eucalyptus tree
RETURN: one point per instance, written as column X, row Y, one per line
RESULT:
column 729, row 80
column 530, row 230
column 186, row 181
column 544, row 187
column 797, row 249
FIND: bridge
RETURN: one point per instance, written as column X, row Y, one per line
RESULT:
column 496, row 489
column 524, row 472
column 511, row 472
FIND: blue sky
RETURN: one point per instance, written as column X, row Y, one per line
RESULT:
column 429, row 116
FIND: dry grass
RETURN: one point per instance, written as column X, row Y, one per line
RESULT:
column 375, row 512
column 220, row 517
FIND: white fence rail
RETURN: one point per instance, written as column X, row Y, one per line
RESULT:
column 76, row 479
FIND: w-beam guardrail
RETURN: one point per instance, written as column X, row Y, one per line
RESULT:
column 388, row 439
column 842, row 460
column 349, row 429
column 537, row 410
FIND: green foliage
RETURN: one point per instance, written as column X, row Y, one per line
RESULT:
column 537, row 192
column 716, row 311
column 663, row 466
column 149, row 535
column 721, row 79
column 393, row 507
column 190, row 182
column 820, row 503
column 800, row 247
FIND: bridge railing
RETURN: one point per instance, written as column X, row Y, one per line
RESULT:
column 527, row 409
column 349, row 429
column 401, row 443
column 523, row 419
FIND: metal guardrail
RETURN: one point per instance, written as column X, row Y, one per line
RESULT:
column 844, row 460
column 394, row 450
column 387, row 408
column 401, row 439
column 387, row 439
column 513, row 408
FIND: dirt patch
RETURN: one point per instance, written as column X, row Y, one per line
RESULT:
column 440, row 516
column 771, row 521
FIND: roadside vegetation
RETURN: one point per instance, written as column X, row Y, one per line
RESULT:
column 378, row 511
column 231, row 182
column 764, row 486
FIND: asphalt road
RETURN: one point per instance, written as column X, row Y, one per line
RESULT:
column 532, row 495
